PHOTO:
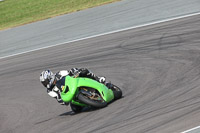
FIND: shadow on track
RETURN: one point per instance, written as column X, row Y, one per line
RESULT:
column 86, row 109
column 71, row 113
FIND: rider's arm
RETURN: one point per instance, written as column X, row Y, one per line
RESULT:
column 55, row 93
column 60, row 74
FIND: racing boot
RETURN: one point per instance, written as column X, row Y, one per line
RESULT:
column 99, row 79
column 102, row 80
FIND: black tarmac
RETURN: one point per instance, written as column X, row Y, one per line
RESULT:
column 157, row 68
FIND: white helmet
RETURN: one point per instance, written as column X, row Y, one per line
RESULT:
column 47, row 78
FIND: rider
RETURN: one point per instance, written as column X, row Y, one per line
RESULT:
column 48, row 79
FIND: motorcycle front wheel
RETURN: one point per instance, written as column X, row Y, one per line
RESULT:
column 76, row 108
column 94, row 101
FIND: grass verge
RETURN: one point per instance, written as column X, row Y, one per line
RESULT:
column 18, row 12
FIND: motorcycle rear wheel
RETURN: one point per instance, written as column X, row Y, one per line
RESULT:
column 117, row 92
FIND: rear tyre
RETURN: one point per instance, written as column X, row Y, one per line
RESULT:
column 100, row 103
column 117, row 92
column 75, row 108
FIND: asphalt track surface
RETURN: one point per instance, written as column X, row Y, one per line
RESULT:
column 92, row 22
column 157, row 67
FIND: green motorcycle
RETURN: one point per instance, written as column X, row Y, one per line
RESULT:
column 83, row 92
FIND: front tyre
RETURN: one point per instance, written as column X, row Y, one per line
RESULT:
column 76, row 108
column 97, row 103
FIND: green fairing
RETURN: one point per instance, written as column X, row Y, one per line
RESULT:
column 74, row 83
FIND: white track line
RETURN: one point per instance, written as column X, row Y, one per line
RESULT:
column 191, row 129
column 133, row 27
